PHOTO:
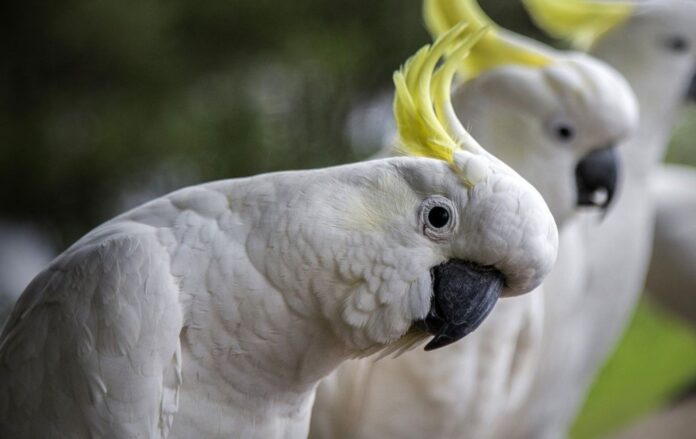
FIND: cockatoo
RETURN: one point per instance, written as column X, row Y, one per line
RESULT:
column 214, row 311
column 652, row 43
column 557, row 118
column 666, row 28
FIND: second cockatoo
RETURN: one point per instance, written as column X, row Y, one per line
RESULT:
column 556, row 118
column 652, row 43
column 214, row 311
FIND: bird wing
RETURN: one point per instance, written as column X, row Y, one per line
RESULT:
column 92, row 347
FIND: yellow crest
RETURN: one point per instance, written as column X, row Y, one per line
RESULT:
column 496, row 48
column 426, row 123
column 581, row 22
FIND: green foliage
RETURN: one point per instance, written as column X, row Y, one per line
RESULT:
column 682, row 148
column 98, row 96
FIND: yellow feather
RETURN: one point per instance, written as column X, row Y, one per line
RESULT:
column 441, row 90
column 423, row 112
column 581, row 22
column 495, row 49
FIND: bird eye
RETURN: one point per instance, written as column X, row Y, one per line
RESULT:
column 677, row 44
column 438, row 217
column 563, row 131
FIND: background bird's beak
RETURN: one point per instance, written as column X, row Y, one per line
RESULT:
column 596, row 177
column 464, row 293
column 691, row 94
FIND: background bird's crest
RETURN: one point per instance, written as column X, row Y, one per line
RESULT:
column 426, row 123
column 496, row 48
column 581, row 22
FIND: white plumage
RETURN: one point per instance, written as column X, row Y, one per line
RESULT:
column 222, row 305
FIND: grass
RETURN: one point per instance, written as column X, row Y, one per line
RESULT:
column 655, row 359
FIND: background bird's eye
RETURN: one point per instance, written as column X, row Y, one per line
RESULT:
column 677, row 44
column 563, row 131
column 438, row 217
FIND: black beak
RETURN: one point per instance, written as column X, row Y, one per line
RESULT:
column 464, row 293
column 691, row 94
column 596, row 177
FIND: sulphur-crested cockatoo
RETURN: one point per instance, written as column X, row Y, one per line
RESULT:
column 669, row 24
column 556, row 117
column 214, row 311
column 652, row 44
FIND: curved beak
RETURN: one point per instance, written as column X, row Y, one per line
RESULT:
column 596, row 177
column 691, row 94
column 464, row 294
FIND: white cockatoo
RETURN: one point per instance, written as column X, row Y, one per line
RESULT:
column 556, row 117
column 668, row 65
column 652, row 44
column 214, row 311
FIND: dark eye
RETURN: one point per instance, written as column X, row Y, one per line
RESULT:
column 562, row 130
column 677, row 43
column 438, row 217
column 565, row 132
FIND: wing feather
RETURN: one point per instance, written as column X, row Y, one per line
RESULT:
column 92, row 347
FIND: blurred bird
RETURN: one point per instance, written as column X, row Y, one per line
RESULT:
column 556, row 118
column 653, row 44
column 215, row 310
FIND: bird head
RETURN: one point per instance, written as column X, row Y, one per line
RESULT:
column 652, row 42
column 399, row 249
column 555, row 117
column 488, row 231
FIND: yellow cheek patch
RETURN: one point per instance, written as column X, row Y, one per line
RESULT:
column 495, row 49
column 370, row 210
column 426, row 123
column 582, row 22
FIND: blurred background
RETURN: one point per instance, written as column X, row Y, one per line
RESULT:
column 105, row 104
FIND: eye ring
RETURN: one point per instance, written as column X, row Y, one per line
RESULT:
column 677, row 44
column 562, row 130
column 438, row 217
